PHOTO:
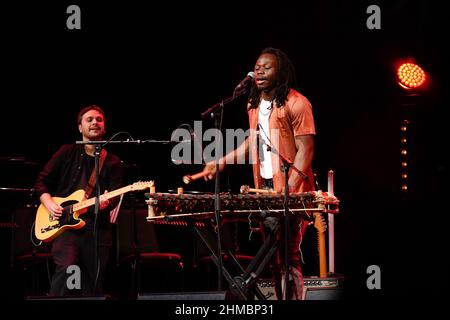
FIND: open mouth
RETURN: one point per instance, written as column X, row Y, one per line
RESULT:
column 260, row 81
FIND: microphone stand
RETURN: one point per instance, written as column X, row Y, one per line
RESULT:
column 285, row 168
column 98, row 149
column 99, row 144
column 217, row 115
column 220, row 105
column 216, row 112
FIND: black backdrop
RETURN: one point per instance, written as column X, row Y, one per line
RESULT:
column 153, row 67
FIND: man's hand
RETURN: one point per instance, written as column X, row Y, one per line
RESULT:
column 295, row 180
column 104, row 203
column 210, row 169
column 55, row 209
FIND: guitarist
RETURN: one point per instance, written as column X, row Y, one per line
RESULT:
column 72, row 168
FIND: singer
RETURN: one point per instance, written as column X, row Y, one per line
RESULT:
column 286, row 127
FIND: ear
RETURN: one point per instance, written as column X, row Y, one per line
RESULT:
column 79, row 127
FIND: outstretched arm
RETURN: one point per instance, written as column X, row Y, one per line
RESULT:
column 239, row 153
column 303, row 159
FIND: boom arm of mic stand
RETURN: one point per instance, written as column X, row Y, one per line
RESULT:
column 219, row 105
column 291, row 165
column 104, row 142
column 283, row 158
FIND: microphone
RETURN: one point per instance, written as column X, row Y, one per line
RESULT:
column 244, row 83
column 239, row 90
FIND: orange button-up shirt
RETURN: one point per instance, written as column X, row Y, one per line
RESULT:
column 294, row 118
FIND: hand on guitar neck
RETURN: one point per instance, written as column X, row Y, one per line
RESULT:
column 104, row 203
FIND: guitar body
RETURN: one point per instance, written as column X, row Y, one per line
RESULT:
column 46, row 229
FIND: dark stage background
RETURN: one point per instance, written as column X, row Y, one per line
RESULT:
column 154, row 67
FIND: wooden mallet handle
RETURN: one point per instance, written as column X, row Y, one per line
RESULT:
column 246, row 189
column 189, row 178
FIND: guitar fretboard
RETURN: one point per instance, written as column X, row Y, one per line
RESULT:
column 106, row 196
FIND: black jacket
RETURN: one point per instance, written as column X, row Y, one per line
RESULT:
column 69, row 170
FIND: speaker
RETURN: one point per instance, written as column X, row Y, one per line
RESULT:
column 314, row 288
column 323, row 293
column 213, row 295
column 323, row 288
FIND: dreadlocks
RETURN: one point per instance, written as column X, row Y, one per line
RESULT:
column 286, row 79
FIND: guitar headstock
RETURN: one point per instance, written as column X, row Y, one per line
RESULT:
column 320, row 223
column 141, row 185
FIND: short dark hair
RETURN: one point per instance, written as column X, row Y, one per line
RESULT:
column 89, row 108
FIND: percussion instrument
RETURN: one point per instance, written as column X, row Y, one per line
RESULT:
column 201, row 206
column 194, row 208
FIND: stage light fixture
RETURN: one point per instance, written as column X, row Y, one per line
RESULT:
column 405, row 122
column 411, row 76
column 413, row 82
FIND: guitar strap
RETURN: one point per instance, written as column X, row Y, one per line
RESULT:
column 91, row 182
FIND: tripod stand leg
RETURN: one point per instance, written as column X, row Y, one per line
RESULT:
column 264, row 253
column 260, row 262
column 235, row 284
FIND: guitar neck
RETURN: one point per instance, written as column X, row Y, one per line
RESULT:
column 320, row 225
column 322, row 255
column 105, row 196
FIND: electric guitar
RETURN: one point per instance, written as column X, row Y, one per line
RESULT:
column 321, row 226
column 46, row 228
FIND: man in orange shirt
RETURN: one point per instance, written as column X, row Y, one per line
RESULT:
column 282, row 127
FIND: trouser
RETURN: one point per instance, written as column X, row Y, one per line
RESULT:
column 296, row 229
column 74, row 250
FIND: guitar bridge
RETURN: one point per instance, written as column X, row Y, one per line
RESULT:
column 50, row 228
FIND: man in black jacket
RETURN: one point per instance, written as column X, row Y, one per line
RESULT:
column 70, row 169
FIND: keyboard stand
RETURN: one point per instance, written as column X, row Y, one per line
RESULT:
column 244, row 285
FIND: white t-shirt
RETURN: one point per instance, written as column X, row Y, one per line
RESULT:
column 265, row 108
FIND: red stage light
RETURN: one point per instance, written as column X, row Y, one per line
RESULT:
column 410, row 75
